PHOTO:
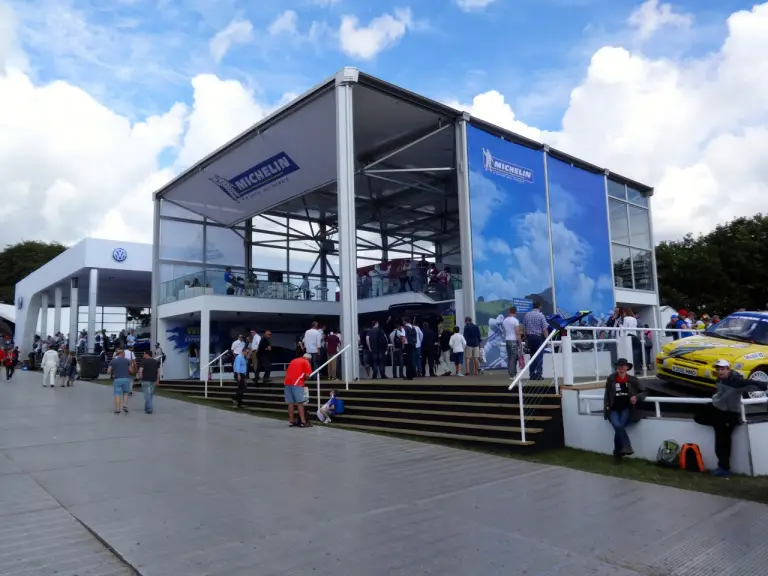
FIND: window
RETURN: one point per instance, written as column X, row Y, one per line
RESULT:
column 270, row 258
column 637, row 197
column 619, row 222
column 641, row 267
column 168, row 209
column 224, row 247
column 622, row 267
column 639, row 227
column 616, row 190
column 181, row 241
column 303, row 262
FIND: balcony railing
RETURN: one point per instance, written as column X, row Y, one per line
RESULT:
column 257, row 286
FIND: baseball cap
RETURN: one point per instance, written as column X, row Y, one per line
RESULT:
column 722, row 363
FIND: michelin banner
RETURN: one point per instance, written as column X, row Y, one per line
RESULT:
column 286, row 160
column 510, row 234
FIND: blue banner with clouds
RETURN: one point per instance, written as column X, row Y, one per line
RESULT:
column 580, row 240
column 510, row 232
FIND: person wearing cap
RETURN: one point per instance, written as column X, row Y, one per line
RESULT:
column 623, row 391
column 683, row 324
column 297, row 371
column 671, row 325
column 726, row 411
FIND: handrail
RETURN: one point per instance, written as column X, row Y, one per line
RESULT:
column 526, row 367
column 657, row 401
column 215, row 359
column 221, row 371
column 317, row 371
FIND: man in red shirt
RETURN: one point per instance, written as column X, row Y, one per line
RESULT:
column 297, row 371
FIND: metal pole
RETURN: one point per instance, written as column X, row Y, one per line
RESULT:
column 642, row 351
column 522, row 409
column 221, row 372
column 554, row 366
column 318, row 390
column 595, row 356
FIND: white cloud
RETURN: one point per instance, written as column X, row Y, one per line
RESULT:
column 366, row 42
column 696, row 130
column 472, row 5
column 651, row 17
column 237, row 32
column 284, row 24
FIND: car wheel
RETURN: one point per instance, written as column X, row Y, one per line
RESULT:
column 759, row 375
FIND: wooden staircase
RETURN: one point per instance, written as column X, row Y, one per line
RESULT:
column 473, row 409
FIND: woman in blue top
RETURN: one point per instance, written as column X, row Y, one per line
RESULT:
column 240, row 368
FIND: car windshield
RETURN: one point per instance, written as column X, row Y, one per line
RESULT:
column 743, row 329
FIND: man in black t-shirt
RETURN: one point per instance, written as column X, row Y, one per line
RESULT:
column 264, row 356
column 149, row 374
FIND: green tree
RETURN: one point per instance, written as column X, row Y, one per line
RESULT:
column 19, row 260
column 717, row 272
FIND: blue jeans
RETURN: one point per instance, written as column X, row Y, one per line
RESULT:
column 417, row 360
column 619, row 420
column 537, row 366
column 148, row 389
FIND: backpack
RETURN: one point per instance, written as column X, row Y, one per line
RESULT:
column 410, row 335
column 690, row 458
column 668, row 455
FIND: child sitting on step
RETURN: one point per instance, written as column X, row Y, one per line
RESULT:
column 333, row 407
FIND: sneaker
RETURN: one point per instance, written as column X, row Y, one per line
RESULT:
column 460, row 374
column 307, row 425
column 720, row 473
column 117, row 411
column 327, row 421
column 125, row 409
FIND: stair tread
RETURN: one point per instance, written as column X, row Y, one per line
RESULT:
column 447, row 424
column 445, row 435
column 279, row 391
column 353, row 408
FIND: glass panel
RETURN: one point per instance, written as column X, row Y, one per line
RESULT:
column 270, row 258
column 616, row 190
column 641, row 263
column 636, row 197
column 303, row 262
column 622, row 269
column 181, row 241
column 640, row 228
column 619, row 222
column 168, row 209
column 224, row 247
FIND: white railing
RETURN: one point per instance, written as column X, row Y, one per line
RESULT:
column 525, row 370
column 657, row 401
column 319, row 368
column 221, row 370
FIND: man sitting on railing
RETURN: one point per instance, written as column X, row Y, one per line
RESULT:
column 724, row 414
column 623, row 391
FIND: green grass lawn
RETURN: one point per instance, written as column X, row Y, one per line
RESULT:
column 742, row 487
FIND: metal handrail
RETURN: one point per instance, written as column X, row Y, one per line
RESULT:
column 657, row 401
column 221, row 371
column 317, row 372
column 516, row 381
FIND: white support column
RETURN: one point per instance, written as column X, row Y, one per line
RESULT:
column 566, row 352
column 205, row 341
column 74, row 309
column 44, row 315
column 155, row 287
column 465, row 221
column 345, row 174
column 93, row 290
column 57, row 309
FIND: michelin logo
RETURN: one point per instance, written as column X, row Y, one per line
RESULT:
column 268, row 174
column 505, row 169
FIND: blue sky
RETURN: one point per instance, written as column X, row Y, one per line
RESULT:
column 138, row 56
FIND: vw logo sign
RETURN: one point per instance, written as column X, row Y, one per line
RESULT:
column 119, row 255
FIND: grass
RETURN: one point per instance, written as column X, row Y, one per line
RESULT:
column 742, row 487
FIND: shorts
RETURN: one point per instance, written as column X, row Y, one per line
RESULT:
column 122, row 386
column 472, row 351
column 367, row 360
column 294, row 394
column 458, row 357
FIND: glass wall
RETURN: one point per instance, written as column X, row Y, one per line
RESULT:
column 580, row 240
column 630, row 237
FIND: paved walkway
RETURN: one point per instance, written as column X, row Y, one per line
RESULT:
column 197, row 491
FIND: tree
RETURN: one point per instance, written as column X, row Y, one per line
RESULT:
column 717, row 272
column 18, row 261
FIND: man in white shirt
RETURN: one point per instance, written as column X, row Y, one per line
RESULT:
column 238, row 345
column 131, row 357
column 254, row 359
column 312, row 343
column 50, row 363
column 511, row 327
column 419, row 340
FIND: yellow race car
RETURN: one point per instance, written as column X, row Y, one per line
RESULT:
column 741, row 338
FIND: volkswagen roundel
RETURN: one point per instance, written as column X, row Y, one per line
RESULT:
column 119, row 254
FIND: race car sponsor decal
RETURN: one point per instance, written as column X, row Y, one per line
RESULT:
column 754, row 356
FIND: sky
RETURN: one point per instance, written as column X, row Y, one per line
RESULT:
column 103, row 101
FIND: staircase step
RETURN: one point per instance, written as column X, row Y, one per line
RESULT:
column 427, row 434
